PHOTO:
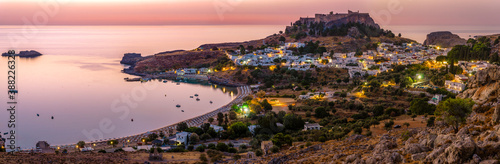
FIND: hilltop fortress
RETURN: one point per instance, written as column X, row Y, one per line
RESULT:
column 341, row 18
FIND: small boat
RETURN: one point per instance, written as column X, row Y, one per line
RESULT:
column 165, row 81
column 132, row 120
column 197, row 99
column 190, row 96
column 178, row 106
column 38, row 115
column 178, row 83
column 211, row 102
column 52, row 117
column 196, row 95
column 182, row 110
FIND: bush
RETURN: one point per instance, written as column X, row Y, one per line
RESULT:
column 211, row 146
column 430, row 121
column 100, row 151
column 203, row 158
column 322, row 139
column 243, row 147
column 236, row 157
column 308, row 144
column 368, row 133
column 190, row 148
column 259, row 153
column 232, row 150
column 222, row 147
column 200, row 148
column 358, row 130
column 275, row 149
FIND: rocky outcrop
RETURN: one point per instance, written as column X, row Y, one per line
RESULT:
column 26, row 54
column 131, row 58
column 483, row 86
column 444, row 39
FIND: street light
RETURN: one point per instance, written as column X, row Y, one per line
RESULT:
column 419, row 77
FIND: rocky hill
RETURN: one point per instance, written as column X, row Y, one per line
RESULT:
column 178, row 59
column 477, row 141
column 444, row 39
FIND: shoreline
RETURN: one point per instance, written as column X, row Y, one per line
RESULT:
column 131, row 140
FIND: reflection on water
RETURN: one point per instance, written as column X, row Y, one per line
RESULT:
column 81, row 92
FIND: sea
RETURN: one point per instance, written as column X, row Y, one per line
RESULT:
column 78, row 79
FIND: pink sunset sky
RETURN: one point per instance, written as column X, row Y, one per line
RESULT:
column 215, row 12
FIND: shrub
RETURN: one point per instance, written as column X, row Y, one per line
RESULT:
column 322, row 139
column 232, row 150
column 100, row 151
column 211, row 146
column 259, row 153
column 430, row 121
column 222, row 147
column 190, row 148
column 308, row 144
column 203, row 158
column 200, row 148
column 236, row 157
column 275, row 149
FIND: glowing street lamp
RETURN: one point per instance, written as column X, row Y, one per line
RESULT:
column 419, row 77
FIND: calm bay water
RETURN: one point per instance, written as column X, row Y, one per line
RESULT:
column 78, row 79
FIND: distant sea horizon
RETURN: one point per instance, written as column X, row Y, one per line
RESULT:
column 113, row 41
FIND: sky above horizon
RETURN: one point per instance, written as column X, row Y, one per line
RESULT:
column 236, row 12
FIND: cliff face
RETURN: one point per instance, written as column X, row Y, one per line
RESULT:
column 131, row 58
column 444, row 39
column 484, row 89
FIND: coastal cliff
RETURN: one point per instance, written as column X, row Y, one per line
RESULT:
column 131, row 58
column 26, row 54
column 444, row 39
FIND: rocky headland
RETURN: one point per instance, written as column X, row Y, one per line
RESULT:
column 444, row 39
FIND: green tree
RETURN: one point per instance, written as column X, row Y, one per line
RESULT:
column 203, row 158
column 181, row 126
column 321, row 112
column 210, row 120
column 280, row 139
column 293, row 122
column 205, row 136
column 440, row 58
column 430, row 121
column 222, row 147
column 266, row 105
column 282, row 39
column 81, row 144
column 420, row 106
column 113, row 143
column 406, row 124
column 238, row 129
column 220, row 118
column 378, row 110
column 194, row 138
column 454, row 111
column 232, row 115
